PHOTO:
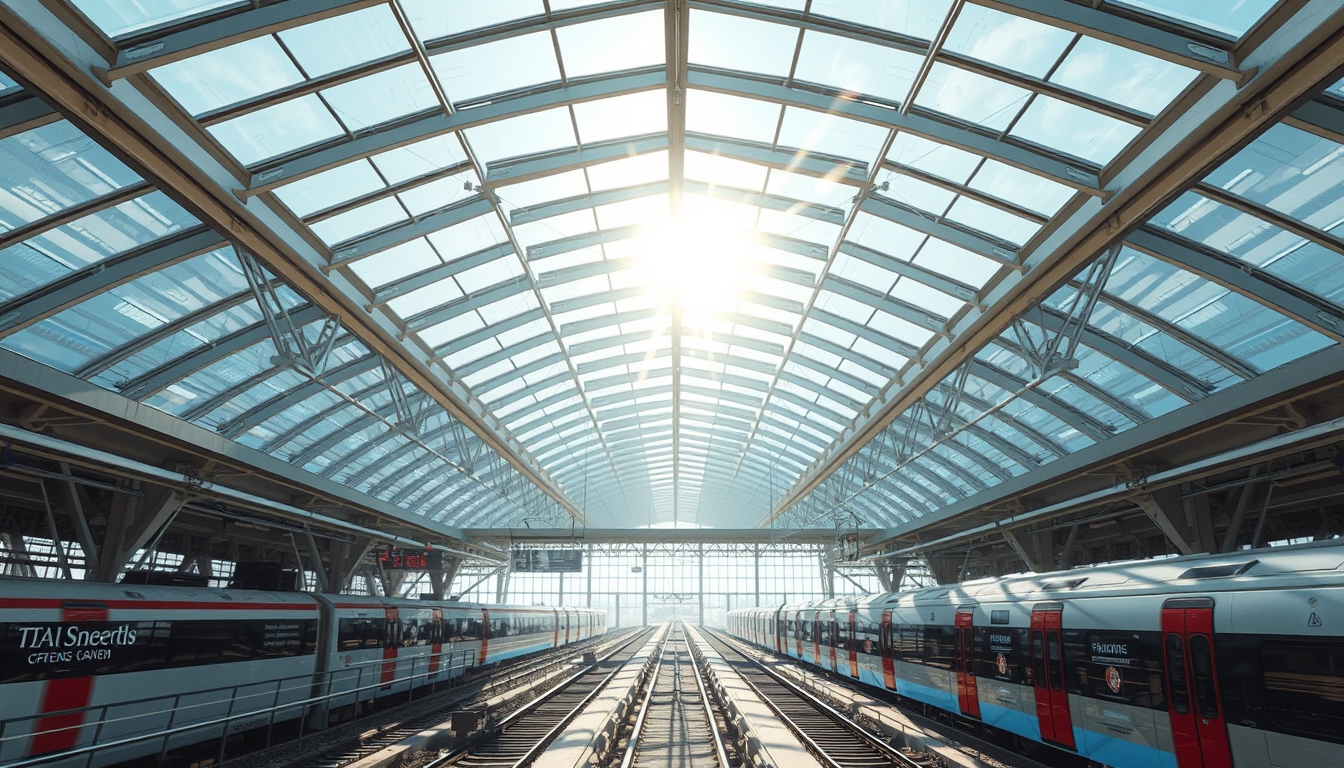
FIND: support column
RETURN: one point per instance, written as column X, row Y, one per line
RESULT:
column 502, row 586
column 1024, row 548
column 81, row 521
column 1071, row 546
column 942, row 568
column 1239, row 514
column 890, row 574
column 13, row 540
column 1165, row 510
column 561, row 600
column 700, row 582
column 756, row 574
column 133, row 524
column 644, row 588
column 588, row 559
column 346, row 560
column 315, row 558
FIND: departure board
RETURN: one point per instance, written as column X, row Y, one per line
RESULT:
column 547, row 560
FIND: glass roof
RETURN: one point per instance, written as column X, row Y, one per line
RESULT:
column 678, row 288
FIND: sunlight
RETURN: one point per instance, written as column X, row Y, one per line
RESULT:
column 697, row 262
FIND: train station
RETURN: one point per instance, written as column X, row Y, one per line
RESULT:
column 671, row 383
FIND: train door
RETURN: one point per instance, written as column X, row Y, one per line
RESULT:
column 853, row 649
column 391, row 640
column 831, row 635
column 1197, row 727
column 1047, row 663
column 485, row 635
column 781, row 637
column 886, row 639
column 816, row 638
column 436, row 637
column 968, row 695
column 798, row 632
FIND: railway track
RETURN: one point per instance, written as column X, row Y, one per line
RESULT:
column 676, row 724
column 410, row 719
column 518, row 739
column 834, row 739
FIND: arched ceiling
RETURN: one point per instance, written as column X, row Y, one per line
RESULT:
column 517, row 191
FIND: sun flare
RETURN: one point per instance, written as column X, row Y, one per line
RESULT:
column 697, row 262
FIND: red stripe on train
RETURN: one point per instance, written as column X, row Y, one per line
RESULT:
column 155, row 605
column 60, row 728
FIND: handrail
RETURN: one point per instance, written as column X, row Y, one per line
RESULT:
column 224, row 721
column 304, row 681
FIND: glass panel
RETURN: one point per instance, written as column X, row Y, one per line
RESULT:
column 433, row 19
column 382, row 97
column 732, row 116
column 277, row 130
column 117, row 17
column 971, row 97
column 913, row 18
column 1012, row 42
column 1232, row 19
column 611, row 45
column 1304, row 687
column 1122, row 76
column 344, row 41
column 857, row 67
column 746, row 45
column 88, row 240
column 229, row 75
column 497, row 67
column 51, row 168
column 1290, row 171
column 1201, row 665
column 831, row 135
column 524, row 135
column 633, row 115
column 1073, row 130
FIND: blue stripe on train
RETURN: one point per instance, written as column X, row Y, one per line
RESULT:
column 491, row 656
column 1120, row 753
column 929, row 695
column 1011, row 720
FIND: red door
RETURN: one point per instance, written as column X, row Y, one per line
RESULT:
column 888, row 645
column 853, row 649
column 968, row 695
column 816, row 638
column 779, row 631
column 798, row 632
column 391, row 639
column 485, row 635
column 830, row 647
column 436, row 650
column 1197, row 727
column 1047, row 663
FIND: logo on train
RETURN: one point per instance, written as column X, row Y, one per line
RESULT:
column 1113, row 679
column 1003, row 664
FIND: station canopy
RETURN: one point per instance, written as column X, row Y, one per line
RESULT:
column 679, row 259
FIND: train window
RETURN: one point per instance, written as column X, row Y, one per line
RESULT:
column 1180, row 689
column 911, row 643
column 1038, row 657
column 1056, row 663
column 824, row 633
column 1304, row 687
column 354, row 634
column 1201, row 664
column 842, row 635
column 938, row 647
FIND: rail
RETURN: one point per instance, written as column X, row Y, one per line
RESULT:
column 817, row 711
column 637, row 731
column 534, row 741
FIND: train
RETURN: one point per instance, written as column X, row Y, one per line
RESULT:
column 1204, row 661
column 176, row 674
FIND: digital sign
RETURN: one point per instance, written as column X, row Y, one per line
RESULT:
column 547, row 560
column 401, row 560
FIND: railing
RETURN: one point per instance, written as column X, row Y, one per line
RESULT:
column 452, row 666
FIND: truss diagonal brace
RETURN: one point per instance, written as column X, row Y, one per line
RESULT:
column 293, row 345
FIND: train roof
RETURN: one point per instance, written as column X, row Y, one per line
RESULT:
column 28, row 589
column 1321, row 558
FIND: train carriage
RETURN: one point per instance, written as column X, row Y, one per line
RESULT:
column 86, row 661
column 1194, row 662
column 172, row 671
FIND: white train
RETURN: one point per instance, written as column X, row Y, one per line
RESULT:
column 109, row 664
column 1206, row 661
